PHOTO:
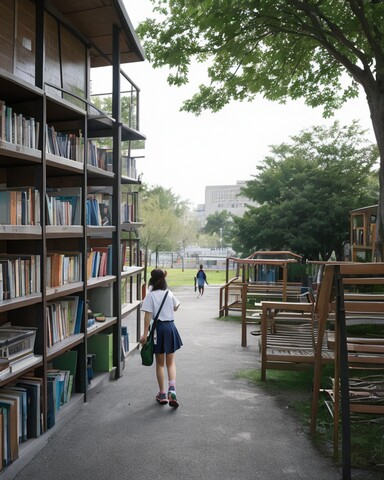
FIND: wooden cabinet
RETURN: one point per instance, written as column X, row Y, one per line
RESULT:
column 69, row 244
column 363, row 234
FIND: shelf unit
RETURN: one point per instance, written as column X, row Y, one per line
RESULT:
column 54, row 264
column 363, row 234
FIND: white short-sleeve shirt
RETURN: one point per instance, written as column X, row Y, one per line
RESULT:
column 152, row 302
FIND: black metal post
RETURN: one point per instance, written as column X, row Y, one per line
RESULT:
column 344, row 377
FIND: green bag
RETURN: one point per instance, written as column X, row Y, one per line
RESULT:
column 146, row 351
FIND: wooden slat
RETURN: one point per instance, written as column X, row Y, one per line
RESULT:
column 366, row 269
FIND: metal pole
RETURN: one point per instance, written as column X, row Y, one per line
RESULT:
column 344, row 378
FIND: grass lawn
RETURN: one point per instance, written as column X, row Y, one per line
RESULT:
column 176, row 277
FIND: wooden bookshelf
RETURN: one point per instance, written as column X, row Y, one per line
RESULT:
column 363, row 234
column 46, row 120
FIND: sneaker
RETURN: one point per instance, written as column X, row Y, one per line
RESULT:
column 172, row 399
column 162, row 398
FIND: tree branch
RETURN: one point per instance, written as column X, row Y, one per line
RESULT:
column 357, row 6
column 317, row 30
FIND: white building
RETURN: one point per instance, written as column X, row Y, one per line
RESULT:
column 226, row 197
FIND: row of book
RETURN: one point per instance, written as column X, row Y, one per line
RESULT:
column 64, row 206
column 17, row 129
column 61, row 378
column 19, row 275
column 100, row 157
column 128, row 167
column 99, row 262
column 63, row 268
column 130, row 254
column 59, row 391
column 128, row 208
column 63, row 318
column 20, row 416
column 358, row 236
column 66, row 145
column 19, row 206
column 98, row 212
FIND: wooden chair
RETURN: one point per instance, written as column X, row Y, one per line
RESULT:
column 290, row 331
column 357, row 387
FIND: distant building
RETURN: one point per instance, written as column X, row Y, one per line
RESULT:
column 225, row 197
column 222, row 197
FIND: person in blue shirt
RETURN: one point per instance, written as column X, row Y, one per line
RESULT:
column 201, row 281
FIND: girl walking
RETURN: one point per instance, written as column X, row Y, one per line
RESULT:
column 167, row 339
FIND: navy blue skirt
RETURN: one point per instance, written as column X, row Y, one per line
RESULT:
column 167, row 338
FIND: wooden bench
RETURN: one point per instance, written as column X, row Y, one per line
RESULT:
column 239, row 297
column 290, row 330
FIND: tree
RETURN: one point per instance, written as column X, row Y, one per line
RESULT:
column 159, row 228
column 306, row 190
column 322, row 51
column 164, row 221
column 187, row 234
column 128, row 117
column 221, row 224
column 166, row 198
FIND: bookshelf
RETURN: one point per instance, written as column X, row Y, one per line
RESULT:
column 363, row 234
column 69, row 213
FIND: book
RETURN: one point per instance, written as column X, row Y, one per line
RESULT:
column 16, row 397
column 79, row 316
column 125, row 335
column 2, row 120
column 55, row 376
column 22, row 392
column 1, row 439
column 66, row 361
column 12, row 428
column 33, row 387
column 51, row 402
column 19, row 206
column 63, row 206
column 5, row 436
column 63, row 267
column 61, row 318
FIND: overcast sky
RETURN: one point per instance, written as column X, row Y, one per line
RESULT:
column 186, row 153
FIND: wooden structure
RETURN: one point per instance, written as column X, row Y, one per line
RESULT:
column 290, row 331
column 355, row 391
column 362, row 235
column 259, row 277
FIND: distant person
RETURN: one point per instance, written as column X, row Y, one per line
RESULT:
column 167, row 338
column 201, row 281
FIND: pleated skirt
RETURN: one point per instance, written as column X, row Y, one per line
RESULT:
column 167, row 338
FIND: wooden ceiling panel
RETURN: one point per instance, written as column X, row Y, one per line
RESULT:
column 94, row 19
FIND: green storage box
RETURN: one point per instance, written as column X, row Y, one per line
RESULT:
column 101, row 345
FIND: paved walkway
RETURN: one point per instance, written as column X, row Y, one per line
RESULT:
column 224, row 429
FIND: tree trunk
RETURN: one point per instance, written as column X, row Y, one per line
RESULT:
column 375, row 98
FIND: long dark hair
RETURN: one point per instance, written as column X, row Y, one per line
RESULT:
column 157, row 280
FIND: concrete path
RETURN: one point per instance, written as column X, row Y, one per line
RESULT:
column 224, row 429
